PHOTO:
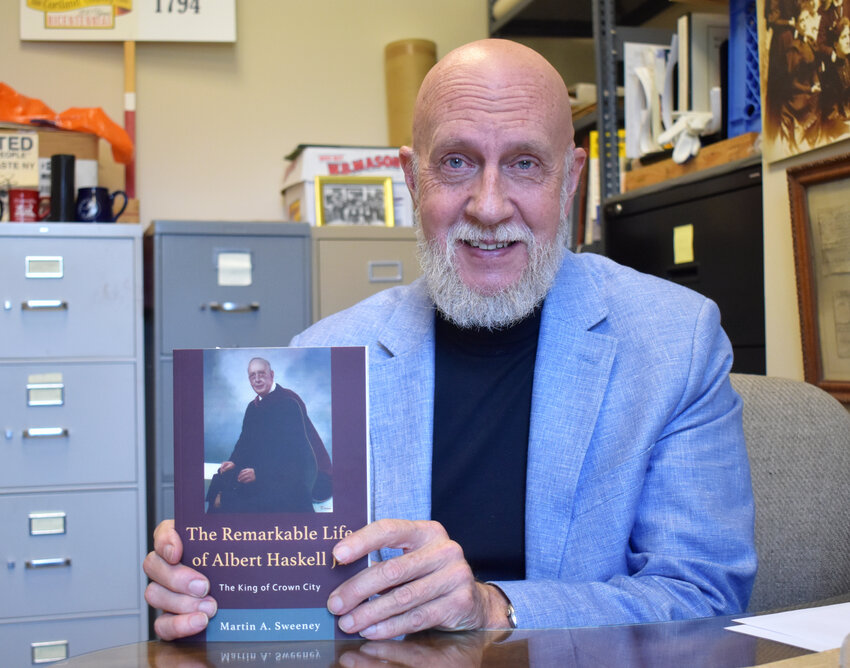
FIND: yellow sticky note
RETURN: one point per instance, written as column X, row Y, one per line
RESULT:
column 683, row 244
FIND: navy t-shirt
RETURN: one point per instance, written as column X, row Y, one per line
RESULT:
column 482, row 407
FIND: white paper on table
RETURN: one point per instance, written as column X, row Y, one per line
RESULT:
column 817, row 629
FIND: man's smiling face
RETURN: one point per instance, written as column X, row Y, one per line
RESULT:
column 493, row 168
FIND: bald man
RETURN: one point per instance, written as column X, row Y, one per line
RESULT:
column 554, row 438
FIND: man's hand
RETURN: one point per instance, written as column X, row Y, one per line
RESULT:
column 429, row 586
column 225, row 467
column 246, row 475
column 179, row 591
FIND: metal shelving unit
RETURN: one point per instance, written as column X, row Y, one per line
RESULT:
column 610, row 24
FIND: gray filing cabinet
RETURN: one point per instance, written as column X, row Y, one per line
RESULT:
column 352, row 262
column 72, row 485
column 209, row 284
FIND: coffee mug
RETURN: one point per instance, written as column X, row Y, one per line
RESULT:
column 26, row 206
column 94, row 205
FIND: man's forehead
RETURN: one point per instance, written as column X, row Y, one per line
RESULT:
column 496, row 133
column 463, row 108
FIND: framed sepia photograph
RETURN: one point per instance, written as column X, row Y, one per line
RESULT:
column 820, row 220
column 805, row 74
column 354, row 200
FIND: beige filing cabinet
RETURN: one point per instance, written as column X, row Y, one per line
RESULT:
column 352, row 262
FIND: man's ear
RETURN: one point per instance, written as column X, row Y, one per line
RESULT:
column 405, row 155
column 579, row 157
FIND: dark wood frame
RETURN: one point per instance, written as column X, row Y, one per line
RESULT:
column 800, row 179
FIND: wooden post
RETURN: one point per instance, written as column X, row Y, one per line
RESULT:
column 130, row 114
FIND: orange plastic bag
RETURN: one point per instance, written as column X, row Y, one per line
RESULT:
column 17, row 108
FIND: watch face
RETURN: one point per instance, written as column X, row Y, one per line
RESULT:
column 511, row 613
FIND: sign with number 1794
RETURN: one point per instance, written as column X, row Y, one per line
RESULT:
column 178, row 6
column 129, row 20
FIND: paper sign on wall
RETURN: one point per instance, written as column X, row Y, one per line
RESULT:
column 129, row 20
column 18, row 159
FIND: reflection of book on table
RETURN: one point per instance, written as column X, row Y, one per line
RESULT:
column 270, row 461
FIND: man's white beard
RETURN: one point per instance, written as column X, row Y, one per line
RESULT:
column 465, row 306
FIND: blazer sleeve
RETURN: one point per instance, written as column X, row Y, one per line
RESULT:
column 690, row 550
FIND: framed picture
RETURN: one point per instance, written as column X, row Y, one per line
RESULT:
column 820, row 219
column 354, row 200
column 805, row 75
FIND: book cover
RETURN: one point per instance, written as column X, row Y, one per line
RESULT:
column 270, row 472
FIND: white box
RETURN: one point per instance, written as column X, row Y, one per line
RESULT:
column 307, row 162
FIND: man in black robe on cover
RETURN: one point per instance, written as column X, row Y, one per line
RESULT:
column 279, row 463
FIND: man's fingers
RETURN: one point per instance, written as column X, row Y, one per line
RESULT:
column 426, row 616
column 391, row 575
column 401, row 534
column 178, row 578
column 169, row 627
column 411, row 599
column 158, row 596
column 167, row 543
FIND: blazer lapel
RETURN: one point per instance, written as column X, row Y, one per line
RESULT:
column 401, row 411
column 571, row 375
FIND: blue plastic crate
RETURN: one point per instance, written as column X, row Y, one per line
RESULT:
column 744, row 99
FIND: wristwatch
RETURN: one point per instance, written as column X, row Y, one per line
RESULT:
column 511, row 615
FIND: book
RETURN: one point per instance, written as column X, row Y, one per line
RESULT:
column 270, row 472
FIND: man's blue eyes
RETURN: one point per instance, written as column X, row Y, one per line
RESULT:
column 457, row 163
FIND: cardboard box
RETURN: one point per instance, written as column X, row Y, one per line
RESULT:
column 25, row 152
column 308, row 161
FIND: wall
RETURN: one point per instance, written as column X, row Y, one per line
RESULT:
column 215, row 120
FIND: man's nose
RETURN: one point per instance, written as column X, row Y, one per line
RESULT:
column 488, row 203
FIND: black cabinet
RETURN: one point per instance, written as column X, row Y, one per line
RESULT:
column 716, row 219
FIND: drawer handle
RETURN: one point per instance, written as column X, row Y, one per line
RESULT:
column 57, row 562
column 49, row 652
column 390, row 278
column 45, row 432
column 231, row 307
column 44, row 305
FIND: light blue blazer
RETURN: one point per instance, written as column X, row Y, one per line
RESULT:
column 639, row 505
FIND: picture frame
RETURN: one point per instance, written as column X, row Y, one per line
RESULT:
column 820, row 221
column 354, row 200
column 804, row 57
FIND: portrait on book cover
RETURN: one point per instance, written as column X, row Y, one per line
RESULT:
column 267, row 431
column 805, row 74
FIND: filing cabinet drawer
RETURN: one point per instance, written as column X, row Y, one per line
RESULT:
column 166, row 501
column 67, row 297
column 67, row 423
column 205, row 306
column 165, row 419
column 349, row 270
column 43, row 643
column 69, row 552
